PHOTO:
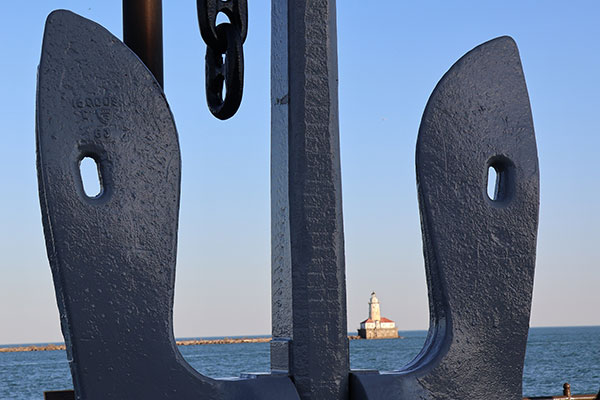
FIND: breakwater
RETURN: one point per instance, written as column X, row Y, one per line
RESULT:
column 554, row 356
column 191, row 342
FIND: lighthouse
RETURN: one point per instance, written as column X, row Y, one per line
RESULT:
column 376, row 327
column 374, row 310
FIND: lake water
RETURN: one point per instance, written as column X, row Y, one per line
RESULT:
column 554, row 356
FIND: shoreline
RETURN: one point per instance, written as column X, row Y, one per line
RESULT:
column 192, row 342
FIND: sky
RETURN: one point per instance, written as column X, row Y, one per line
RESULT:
column 390, row 58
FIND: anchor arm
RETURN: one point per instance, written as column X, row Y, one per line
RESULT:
column 479, row 251
column 113, row 255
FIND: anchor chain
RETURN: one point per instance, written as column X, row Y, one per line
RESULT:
column 224, row 53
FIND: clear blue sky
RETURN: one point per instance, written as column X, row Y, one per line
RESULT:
column 391, row 56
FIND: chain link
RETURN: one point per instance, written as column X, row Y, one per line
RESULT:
column 225, row 39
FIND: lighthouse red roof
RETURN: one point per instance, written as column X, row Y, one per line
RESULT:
column 366, row 321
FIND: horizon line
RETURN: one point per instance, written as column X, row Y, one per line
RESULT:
column 270, row 335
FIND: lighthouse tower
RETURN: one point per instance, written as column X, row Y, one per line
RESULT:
column 374, row 311
column 376, row 327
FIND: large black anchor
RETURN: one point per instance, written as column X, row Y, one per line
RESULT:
column 479, row 251
column 113, row 255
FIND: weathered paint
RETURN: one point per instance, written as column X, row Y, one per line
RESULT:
column 479, row 252
column 113, row 256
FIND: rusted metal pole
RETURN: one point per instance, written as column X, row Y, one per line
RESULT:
column 567, row 395
column 567, row 390
column 142, row 33
column 572, row 397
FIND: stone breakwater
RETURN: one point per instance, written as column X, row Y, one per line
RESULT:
column 47, row 347
column 194, row 342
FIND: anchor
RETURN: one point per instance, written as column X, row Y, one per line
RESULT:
column 113, row 255
column 479, row 251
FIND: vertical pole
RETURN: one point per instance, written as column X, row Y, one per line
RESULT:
column 142, row 33
column 308, row 270
column 567, row 390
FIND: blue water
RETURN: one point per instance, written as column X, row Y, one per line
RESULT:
column 554, row 356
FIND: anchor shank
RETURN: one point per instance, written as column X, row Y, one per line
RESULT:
column 308, row 270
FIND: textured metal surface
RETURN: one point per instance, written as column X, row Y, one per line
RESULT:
column 113, row 256
column 479, row 253
column 224, row 54
column 281, row 270
column 225, row 70
column 59, row 395
column 236, row 11
column 309, row 295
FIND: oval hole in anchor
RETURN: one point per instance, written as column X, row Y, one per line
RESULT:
column 500, row 179
column 91, row 177
column 492, row 183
